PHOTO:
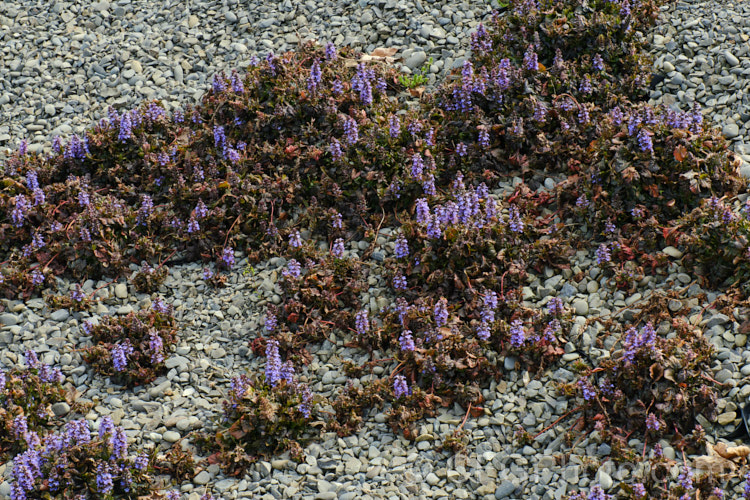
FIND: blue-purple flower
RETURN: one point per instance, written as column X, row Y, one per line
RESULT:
column 31, row 359
column 645, row 142
column 588, row 390
column 401, row 249
column 227, row 257
column 603, row 255
column 338, row 248
column 394, row 126
column 400, row 387
column 514, row 219
column 19, row 212
column 219, row 84
column 292, row 270
column 295, row 240
column 399, row 282
column 430, row 137
column 423, row 211
column 106, row 427
column 273, row 362
column 316, row 77
column 362, row 322
column 441, row 312
column 126, row 128
column 236, row 82
column 484, row 139
column 331, row 53
column 652, row 423
column 351, row 131
column 585, row 87
column 530, row 59
column 517, row 333
column 597, row 63
column 406, row 341
column 156, row 346
column 483, row 331
column 103, row 479
column 305, row 406
column 335, row 149
column 270, row 322
column 120, row 353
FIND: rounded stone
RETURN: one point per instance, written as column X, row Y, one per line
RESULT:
column 171, row 436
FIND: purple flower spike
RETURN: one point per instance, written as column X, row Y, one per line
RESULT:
column 287, row 372
column 517, row 333
column 483, row 331
column 441, row 312
column 338, row 248
column 32, row 361
column 237, row 86
column 19, row 212
column 316, row 77
column 603, row 255
column 484, row 139
column 588, row 390
column 270, row 322
column 292, row 270
column 335, row 149
column 530, row 60
column 331, row 53
column 423, row 211
column 399, row 282
column 394, row 126
column 361, row 322
column 219, row 84
column 652, row 423
column 156, row 346
column 295, row 240
column 20, row 426
column 644, row 141
column 103, row 480
column 120, row 353
column 227, row 257
column 273, row 363
column 126, row 126
column 401, row 250
column 597, row 63
column 400, row 387
column 514, row 220
column 305, row 406
column 350, row 130
column 406, row 341
column 106, row 426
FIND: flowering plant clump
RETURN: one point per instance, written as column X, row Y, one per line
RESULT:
column 353, row 402
column 143, row 182
column 71, row 463
column 653, row 386
column 263, row 415
column 148, row 279
column 26, row 399
column 132, row 349
column 718, row 242
column 307, row 152
column 315, row 302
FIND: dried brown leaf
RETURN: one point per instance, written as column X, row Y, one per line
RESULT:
column 714, row 465
column 731, row 452
column 384, row 52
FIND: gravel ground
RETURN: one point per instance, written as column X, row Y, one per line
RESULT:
column 63, row 64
